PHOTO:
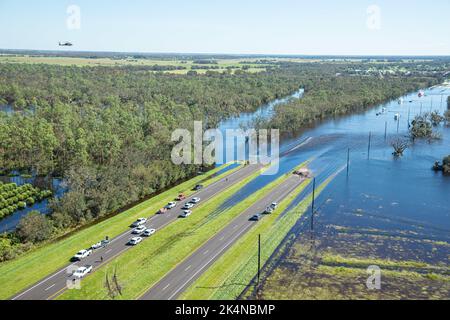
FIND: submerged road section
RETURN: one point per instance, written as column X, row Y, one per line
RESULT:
column 180, row 278
column 59, row 281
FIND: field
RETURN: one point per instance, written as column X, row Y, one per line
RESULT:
column 334, row 266
column 22, row 272
column 221, row 65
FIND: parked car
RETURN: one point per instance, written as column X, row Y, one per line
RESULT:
column 186, row 213
column 162, row 210
column 139, row 222
column 268, row 210
column 188, row 206
column 135, row 241
column 139, row 230
column 82, row 254
column 82, row 272
column 198, row 187
column 97, row 245
column 171, row 205
column 195, row 200
column 256, row 217
column 181, row 197
column 274, row 205
column 105, row 242
column 148, row 232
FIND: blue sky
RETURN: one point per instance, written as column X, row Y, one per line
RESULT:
column 406, row 27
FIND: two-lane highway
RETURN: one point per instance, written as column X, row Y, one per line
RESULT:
column 181, row 277
column 61, row 280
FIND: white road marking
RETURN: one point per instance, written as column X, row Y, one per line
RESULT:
column 166, row 287
column 221, row 239
column 108, row 251
column 206, row 252
column 50, row 287
column 188, row 268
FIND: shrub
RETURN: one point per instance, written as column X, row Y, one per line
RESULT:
column 34, row 227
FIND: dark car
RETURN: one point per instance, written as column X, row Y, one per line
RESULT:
column 256, row 217
column 198, row 187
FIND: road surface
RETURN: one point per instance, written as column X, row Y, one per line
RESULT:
column 180, row 278
column 59, row 281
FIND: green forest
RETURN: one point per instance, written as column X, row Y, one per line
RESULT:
column 106, row 130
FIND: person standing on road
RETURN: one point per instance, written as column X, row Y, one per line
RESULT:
column 101, row 258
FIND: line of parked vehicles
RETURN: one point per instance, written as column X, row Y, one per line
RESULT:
column 140, row 230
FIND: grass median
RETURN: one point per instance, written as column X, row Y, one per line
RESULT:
column 18, row 274
column 234, row 271
column 140, row 268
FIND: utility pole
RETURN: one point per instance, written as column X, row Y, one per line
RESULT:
column 259, row 257
column 312, row 204
column 409, row 116
column 398, row 125
column 385, row 130
column 368, row 148
column 348, row 161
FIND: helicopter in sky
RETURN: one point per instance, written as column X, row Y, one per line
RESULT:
column 65, row 44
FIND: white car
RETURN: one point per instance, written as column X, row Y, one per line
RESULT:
column 186, row 213
column 188, row 206
column 139, row 222
column 274, row 205
column 195, row 200
column 82, row 254
column 148, row 232
column 171, row 205
column 139, row 230
column 134, row 241
column 98, row 245
column 82, row 272
column 269, row 210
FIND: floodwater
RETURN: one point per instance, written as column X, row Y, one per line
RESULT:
column 57, row 186
column 380, row 191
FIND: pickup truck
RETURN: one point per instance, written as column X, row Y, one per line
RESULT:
column 82, row 272
column 82, row 254
column 162, row 210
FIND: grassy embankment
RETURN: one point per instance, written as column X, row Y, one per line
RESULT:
column 139, row 269
column 233, row 272
column 18, row 274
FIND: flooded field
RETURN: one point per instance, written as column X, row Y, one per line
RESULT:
column 389, row 212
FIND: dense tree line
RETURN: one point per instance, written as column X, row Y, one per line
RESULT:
column 334, row 96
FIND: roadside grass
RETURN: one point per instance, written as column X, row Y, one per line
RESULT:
column 233, row 272
column 140, row 268
column 16, row 275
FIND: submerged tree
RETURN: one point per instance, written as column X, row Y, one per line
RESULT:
column 436, row 118
column 446, row 165
column 399, row 145
column 422, row 127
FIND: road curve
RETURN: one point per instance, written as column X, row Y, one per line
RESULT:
column 182, row 276
column 58, row 282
